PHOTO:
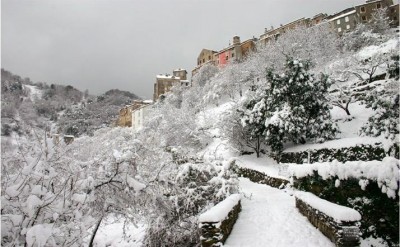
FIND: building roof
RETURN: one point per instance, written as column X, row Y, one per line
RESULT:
column 161, row 76
column 376, row 1
column 179, row 70
column 343, row 15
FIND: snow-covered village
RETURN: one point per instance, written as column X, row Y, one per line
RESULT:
column 285, row 137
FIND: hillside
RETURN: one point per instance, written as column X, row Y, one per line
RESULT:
column 60, row 109
column 304, row 92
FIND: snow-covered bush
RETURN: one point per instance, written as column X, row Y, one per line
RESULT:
column 370, row 187
column 55, row 194
column 386, row 117
column 205, row 73
column 195, row 188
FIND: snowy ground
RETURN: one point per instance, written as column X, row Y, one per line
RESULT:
column 269, row 218
column 111, row 234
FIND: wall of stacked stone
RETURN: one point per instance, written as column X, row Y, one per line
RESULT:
column 361, row 152
column 343, row 234
column 216, row 233
column 259, row 177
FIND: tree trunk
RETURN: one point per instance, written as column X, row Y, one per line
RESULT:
column 94, row 232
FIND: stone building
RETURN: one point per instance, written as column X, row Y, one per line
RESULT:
column 364, row 11
column 348, row 19
column 343, row 21
column 393, row 13
column 164, row 83
column 126, row 114
column 274, row 33
column 234, row 52
column 140, row 113
column 206, row 56
column 125, row 117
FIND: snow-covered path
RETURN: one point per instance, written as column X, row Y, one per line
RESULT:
column 270, row 218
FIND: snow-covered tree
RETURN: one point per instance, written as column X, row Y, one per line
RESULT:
column 294, row 107
column 385, row 121
column 205, row 73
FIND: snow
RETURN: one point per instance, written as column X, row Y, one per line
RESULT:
column 136, row 185
column 266, row 165
column 385, row 172
column 341, row 143
column 269, row 217
column 337, row 212
column 167, row 77
column 35, row 93
column 220, row 211
column 372, row 50
column 351, row 128
column 111, row 234
column 38, row 235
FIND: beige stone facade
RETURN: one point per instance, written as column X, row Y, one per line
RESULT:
column 274, row 33
column 364, row 11
column 343, row 21
column 125, row 118
column 164, row 83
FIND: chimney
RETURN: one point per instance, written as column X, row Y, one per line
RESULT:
column 236, row 40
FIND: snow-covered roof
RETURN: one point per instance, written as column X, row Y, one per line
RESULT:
column 70, row 136
column 376, row 1
column 167, row 77
column 185, row 81
column 148, row 101
column 179, row 70
column 343, row 15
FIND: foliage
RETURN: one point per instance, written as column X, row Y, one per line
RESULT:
column 45, row 191
column 379, row 212
column 196, row 187
column 360, row 152
column 385, row 120
column 293, row 107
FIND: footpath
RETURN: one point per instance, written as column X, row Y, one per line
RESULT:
column 269, row 218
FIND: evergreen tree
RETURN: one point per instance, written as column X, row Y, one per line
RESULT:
column 293, row 107
column 387, row 113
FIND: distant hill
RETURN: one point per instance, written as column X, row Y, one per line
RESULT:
column 67, row 109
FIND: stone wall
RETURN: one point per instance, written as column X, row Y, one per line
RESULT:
column 259, row 177
column 342, row 234
column 361, row 152
column 216, row 233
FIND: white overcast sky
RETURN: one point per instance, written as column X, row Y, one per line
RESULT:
column 104, row 44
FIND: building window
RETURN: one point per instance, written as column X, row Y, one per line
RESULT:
column 209, row 57
column 362, row 9
column 339, row 29
column 346, row 19
column 378, row 6
column 395, row 18
column 338, row 22
column 204, row 60
column 347, row 26
column 227, row 57
column 233, row 54
column 364, row 18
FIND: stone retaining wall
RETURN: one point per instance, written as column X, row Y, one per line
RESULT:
column 216, row 233
column 343, row 234
column 355, row 153
column 259, row 177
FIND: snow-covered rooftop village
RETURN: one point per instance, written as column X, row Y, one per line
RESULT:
column 286, row 138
